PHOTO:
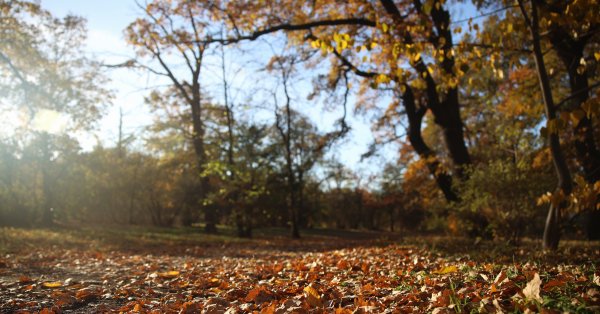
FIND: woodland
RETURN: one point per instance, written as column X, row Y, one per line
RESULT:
column 488, row 201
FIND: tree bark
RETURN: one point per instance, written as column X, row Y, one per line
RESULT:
column 570, row 51
column 446, row 112
column 552, row 229
column 415, row 118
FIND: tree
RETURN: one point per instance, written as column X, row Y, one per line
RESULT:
column 570, row 35
column 179, row 28
column 565, row 184
column 302, row 145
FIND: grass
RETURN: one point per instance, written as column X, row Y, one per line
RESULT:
column 180, row 240
column 175, row 240
column 106, row 238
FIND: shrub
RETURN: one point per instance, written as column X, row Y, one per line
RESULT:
column 499, row 199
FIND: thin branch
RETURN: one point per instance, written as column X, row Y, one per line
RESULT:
column 577, row 94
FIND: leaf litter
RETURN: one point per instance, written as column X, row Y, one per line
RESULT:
column 360, row 277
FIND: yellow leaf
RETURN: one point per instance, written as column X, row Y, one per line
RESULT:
column 52, row 284
column 312, row 296
column 416, row 57
column 446, row 270
column 315, row 44
column 169, row 274
column 396, row 50
column 384, row 27
column 597, row 56
column 373, row 45
column 509, row 28
column 399, row 73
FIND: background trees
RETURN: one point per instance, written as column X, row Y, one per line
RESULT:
column 473, row 136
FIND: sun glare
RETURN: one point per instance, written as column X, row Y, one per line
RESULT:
column 49, row 121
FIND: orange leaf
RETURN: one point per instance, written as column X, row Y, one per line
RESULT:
column 365, row 267
column 277, row 267
column 342, row 264
column 25, row 279
column 259, row 295
column 268, row 310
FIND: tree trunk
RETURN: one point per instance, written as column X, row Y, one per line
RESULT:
column 415, row 118
column 446, row 112
column 570, row 52
column 552, row 229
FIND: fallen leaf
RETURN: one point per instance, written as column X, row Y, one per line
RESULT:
column 169, row 274
column 259, row 295
column 312, row 296
column 500, row 278
column 52, row 284
column 553, row 283
column 532, row 289
column 87, row 294
column 342, row 264
column 25, row 279
column 446, row 270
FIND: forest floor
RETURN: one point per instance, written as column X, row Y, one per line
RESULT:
column 141, row 270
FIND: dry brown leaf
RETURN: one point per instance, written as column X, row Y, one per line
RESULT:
column 553, row 283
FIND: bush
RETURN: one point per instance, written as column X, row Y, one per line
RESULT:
column 499, row 200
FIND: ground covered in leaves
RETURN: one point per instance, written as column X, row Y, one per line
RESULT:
column 183, row 271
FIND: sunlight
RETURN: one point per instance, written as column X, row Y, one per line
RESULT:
column 49, row 121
